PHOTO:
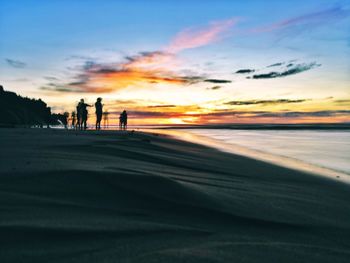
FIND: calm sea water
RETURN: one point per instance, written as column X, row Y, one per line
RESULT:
column 324, row 148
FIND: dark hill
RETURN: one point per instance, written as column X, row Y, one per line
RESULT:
column 16, row 110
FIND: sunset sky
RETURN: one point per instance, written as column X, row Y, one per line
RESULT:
column 182, row 62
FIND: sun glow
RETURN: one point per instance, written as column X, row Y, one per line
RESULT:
column 175, row 121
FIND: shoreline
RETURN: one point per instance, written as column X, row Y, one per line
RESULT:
column 287, row 162
column 183, row 135
column 115, row 196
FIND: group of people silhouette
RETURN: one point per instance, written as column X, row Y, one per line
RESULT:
column 80, row 117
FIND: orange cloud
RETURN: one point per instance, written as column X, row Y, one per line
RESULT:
column 146, row 67
column 121, row 79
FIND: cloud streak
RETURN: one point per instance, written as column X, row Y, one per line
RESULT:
column 197, row 37
column 294, row 114
column 162, row 106
column 234, row 116
column 265, row 102
column 276, row 65
column 292, row 70
column 15, row 63
column 244, row 71
column 221, row 81
column 306, row 21
column 214, row 88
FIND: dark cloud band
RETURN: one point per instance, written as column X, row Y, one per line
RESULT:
column 291, row 71
column 254, row 102
column 15, row 63
column 217, row 81
column 244, row 71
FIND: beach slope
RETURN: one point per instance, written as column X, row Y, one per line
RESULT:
column 68, row 196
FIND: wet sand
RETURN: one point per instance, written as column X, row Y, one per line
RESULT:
column 109, row 196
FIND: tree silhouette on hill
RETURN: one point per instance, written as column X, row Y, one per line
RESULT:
column 16, row 110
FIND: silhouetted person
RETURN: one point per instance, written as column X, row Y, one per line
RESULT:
column 73, row 116
column 83, row 113
column 105, row 119
column 120, row 121
column 65, row 119
column 124, row 120
column 98, row 107
column 78, row 126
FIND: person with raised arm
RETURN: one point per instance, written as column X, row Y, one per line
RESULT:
column 99, row 111
column 83, row 113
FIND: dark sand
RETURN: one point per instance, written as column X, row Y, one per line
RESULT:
column 119, row 197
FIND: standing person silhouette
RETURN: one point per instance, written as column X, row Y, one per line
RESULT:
column 105, row 119
column 73, row 116
column 124, row 120
column 65, row 120
column 84, row 114
column 120, row 121
column 78, row 126
column 98, row 107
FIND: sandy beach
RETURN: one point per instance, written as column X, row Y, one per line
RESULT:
column 111, row 196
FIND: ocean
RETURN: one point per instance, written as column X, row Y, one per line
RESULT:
column 323, row 148
column 328, row 149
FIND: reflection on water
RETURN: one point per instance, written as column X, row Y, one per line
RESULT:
column 324, row 148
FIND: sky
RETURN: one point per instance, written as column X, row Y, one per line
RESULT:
column 182, row 62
